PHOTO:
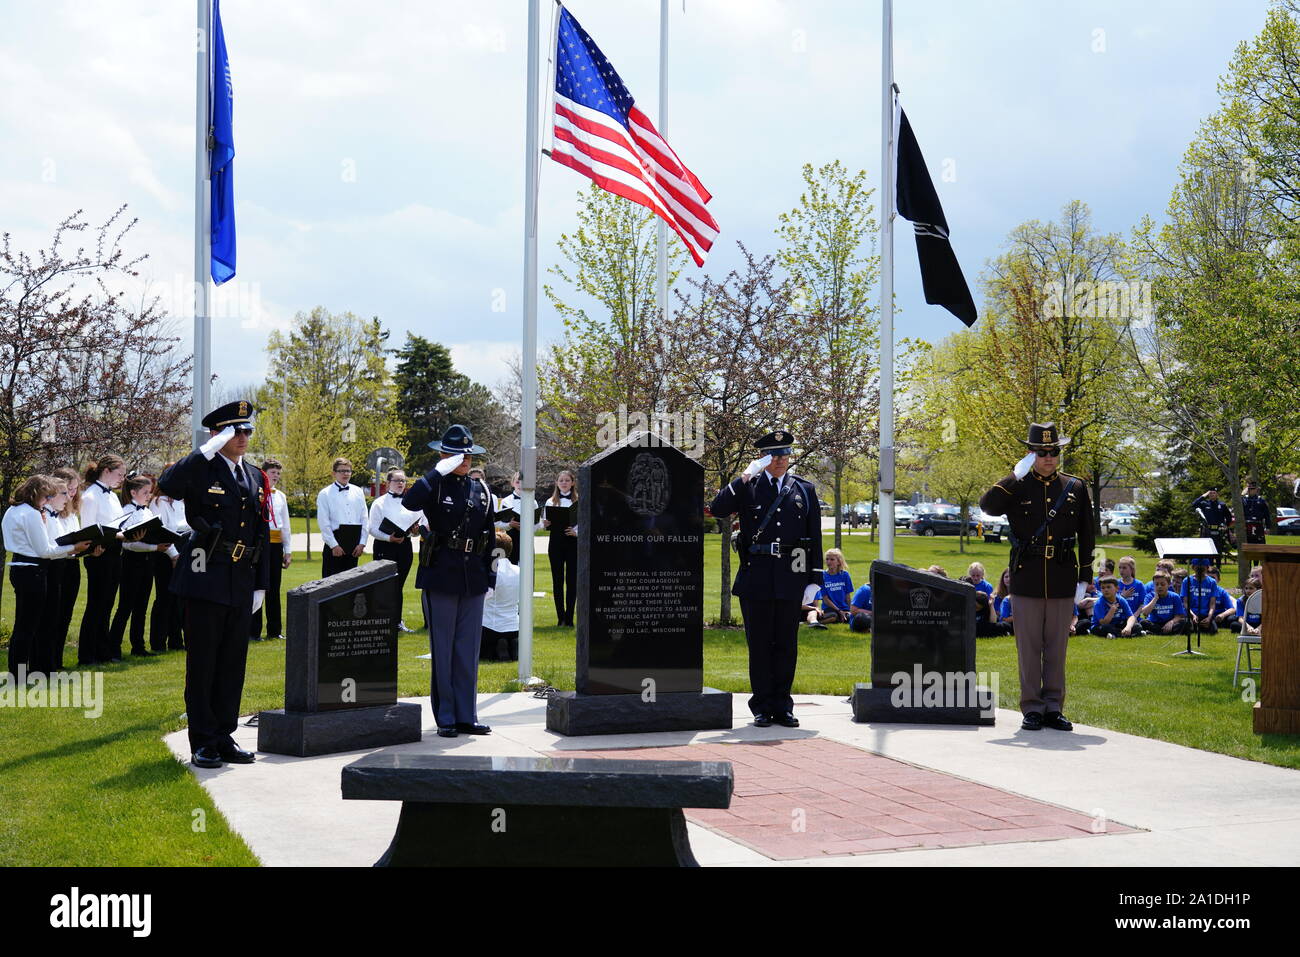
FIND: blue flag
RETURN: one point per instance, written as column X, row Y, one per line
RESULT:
column 221, row 156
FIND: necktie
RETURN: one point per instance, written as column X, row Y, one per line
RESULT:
column 240, row 479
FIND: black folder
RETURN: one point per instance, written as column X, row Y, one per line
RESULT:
column 389, row 527
column 560, row 517
column 348, row 536
column 95, row 534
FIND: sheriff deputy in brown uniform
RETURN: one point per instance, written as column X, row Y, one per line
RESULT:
column 1052, row 535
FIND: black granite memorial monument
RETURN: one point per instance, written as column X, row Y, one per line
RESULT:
column 922, row 651
column 640, row 608
column 340, row 674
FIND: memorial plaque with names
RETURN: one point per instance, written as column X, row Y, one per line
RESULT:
column 342, row 640
column 640, row 609
column 919, row 619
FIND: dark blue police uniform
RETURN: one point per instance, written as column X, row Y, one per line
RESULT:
column 1259, row 517
column 222, row 562
column 1216, row 518
column 776, row 564
column 454, row 575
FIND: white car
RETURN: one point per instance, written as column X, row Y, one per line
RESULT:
column 1119, row 523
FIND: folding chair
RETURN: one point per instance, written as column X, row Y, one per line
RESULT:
column 1254, row 606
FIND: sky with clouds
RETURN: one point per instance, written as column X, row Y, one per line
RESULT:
column 380, row 146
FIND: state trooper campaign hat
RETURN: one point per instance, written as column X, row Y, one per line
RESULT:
column 1044, row 435
column 775, row 443
column 457, row 441
column 238, row 413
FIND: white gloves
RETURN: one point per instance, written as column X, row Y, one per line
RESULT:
column 218, row 441
column 756, row 466
column 1080, row 590
column 259, row 596
column 448, row 465
column 490, row 593
column 1024, row 465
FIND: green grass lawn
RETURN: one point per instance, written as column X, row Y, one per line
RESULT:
column 105, row 790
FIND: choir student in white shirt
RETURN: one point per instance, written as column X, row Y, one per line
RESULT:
column 100, row 505
column 31, row 550
column 166, row 631
column 500, row 637
column 281, row 545
column 562, row 550
column 395, row 548
column 65, row 573
column 137, row 571
column 512, row 527
column 340, row 503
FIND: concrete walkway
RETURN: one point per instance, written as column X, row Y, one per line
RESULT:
column 1188, row 807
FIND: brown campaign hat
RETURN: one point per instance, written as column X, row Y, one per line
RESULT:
column 1045, row 434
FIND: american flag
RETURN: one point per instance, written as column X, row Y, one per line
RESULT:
column 600, row 133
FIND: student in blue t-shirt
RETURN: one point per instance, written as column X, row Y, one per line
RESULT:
column 836, row 588
column 1199, row 594
column 1226, row 613
column 1164, row 613
column 860, row 610
column 1130, row 589
column 976, row 574
column 1111, row 615
column 1248, row 624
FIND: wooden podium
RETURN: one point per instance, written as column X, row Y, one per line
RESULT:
column 1278, row 708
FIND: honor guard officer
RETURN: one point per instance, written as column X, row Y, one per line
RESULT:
column 1050, row 517
column 1216, row 519
column 780, row 545
column 454, row 577
column 1258, row 514
column 221, row 577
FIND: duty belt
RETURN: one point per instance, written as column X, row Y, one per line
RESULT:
column 237, row 550
column 1049, row 551
column 475, row 545
column 769, row 548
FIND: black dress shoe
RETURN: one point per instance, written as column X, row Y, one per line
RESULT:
column 1057, row 721
column 447, row 732
column 234, row 754
column 206, row 758
column 465, row 728
column 787, row 720
column 762, row 721
column 1033, row 722
column 144, row 654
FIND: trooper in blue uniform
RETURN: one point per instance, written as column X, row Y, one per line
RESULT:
column 221, row 577
column 780, row 546
column 455, row 574
column 1258, row 514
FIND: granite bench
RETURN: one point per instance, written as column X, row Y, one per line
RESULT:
column 464, row 811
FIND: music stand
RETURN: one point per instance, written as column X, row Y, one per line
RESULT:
column 1185, row 549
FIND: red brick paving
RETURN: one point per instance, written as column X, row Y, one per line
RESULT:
column 851, row 801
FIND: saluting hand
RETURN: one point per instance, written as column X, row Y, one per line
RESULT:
column 755, row 467
column 1024, row 465
column 450, row 464
column 217, row 442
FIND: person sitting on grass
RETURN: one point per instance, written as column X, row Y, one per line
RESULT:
column 1111, row 615
column 1107, row 568
column 937, row 570
column 1227, row 615
column 836, row 588
column 1164, row 565
column 986, row 623
column 1086, row 604
column 1002, row 593
column 1130, row 589
column 975, row 572
column 809, row 613
column 860, row 609
column 1163, row 614
column 1006, row 612
column 1199, row 594
column 1176, row 579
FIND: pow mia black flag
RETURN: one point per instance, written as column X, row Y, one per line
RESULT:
column 917, row 201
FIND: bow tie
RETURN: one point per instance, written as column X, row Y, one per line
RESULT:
column 395, row 494
column 341, row 488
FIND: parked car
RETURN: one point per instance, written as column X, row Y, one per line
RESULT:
column 903, row 515
column 1286, row 513
column 938, row 520
column 1119, row 523
column 991, row 523
column 1289, row 526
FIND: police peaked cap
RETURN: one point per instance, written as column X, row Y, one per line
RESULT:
column 237, row 413
column 776, row 443
column 457, row 440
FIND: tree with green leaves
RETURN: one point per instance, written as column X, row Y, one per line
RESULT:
column 829, row 252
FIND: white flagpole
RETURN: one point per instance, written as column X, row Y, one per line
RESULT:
column 202, row 224
column 662, row 247
column 528, row 413
column 888, row 170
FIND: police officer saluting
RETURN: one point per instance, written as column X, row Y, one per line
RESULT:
column 780, row 546
column 1052, row 535
column 454, row 577
column 221, row 577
